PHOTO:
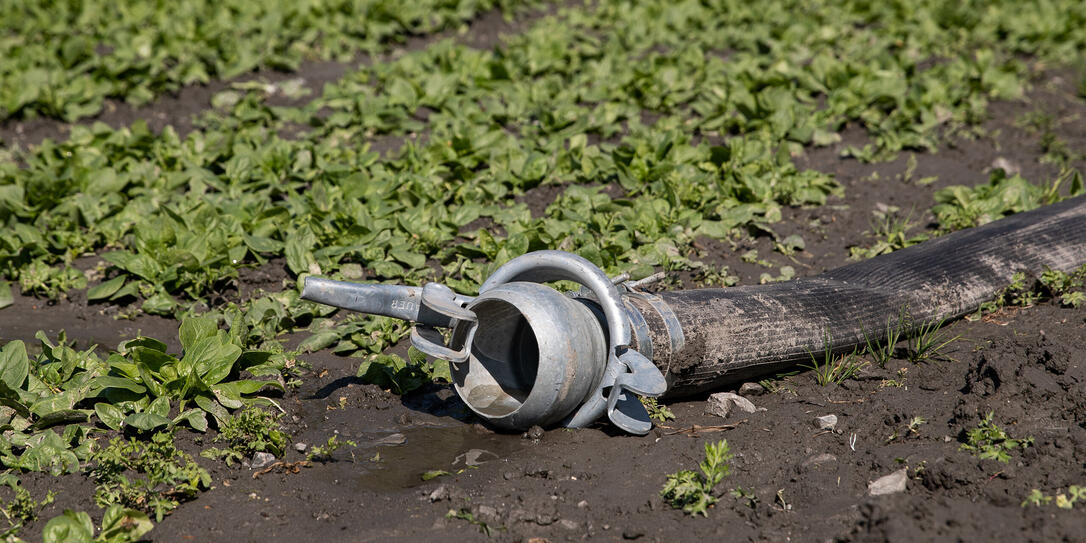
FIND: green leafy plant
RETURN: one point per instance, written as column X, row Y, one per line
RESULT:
column 323, row 453
column 466, row 515
column 1036, row 498
column 1070, row 288
column 119, row 525
column 136, row 52
column 964, row 207
column 22, row 508
column 433, row 474
column 1021, row 292
column 899, row 382
column 693, row 492
column 657, row 412
column 249, row 431
column 911, row 429
column 988, row 440
column 145, row 380
column 401, row 376
column 166, row 476
column 745, row 495
column 1024, row 290
column 1075, row 494
column 137, row 388
column 891, row 233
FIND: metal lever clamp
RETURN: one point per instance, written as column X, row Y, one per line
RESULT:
column 441, row 300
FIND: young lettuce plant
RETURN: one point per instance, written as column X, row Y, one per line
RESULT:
column 144, row 380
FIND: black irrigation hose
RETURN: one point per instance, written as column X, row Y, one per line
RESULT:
column 737, row 333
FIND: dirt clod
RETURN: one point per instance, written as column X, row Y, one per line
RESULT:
column 535, row 433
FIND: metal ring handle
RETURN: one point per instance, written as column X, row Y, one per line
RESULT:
column 542, row 266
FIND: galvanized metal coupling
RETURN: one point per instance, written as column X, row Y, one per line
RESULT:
column 523, row 353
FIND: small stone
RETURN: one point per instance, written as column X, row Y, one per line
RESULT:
column 1006, row 165
column 487, row 513
column 582, row 504
column 826, row 422
column 439, row 493
column 889, row 484
column 721, row 404
column 819, row 459
column 534, row 433
column 568, row 524
column 751, row 389
column 509, row 475
column 262, row 460
column 392, row 439
column 300, row 447
column 632, row 533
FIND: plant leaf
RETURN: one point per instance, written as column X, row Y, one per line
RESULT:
column 146, row 421
column 70, row 527
column 194, row 329
column 58, row 402
column 160, row 406
column 109, row 414
column 212, row 359
column 212, row 406
column 6, row 298
column 14, row 364
column 62, row 416
column 106, row 382
column 106, row 289
column 196, row 418
column 123, row 525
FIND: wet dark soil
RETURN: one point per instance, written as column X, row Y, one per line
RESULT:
column 1027, row 367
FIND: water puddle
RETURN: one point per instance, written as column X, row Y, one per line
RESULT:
column 394, row 461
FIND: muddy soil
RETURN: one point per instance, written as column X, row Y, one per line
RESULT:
column 1028, row 367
